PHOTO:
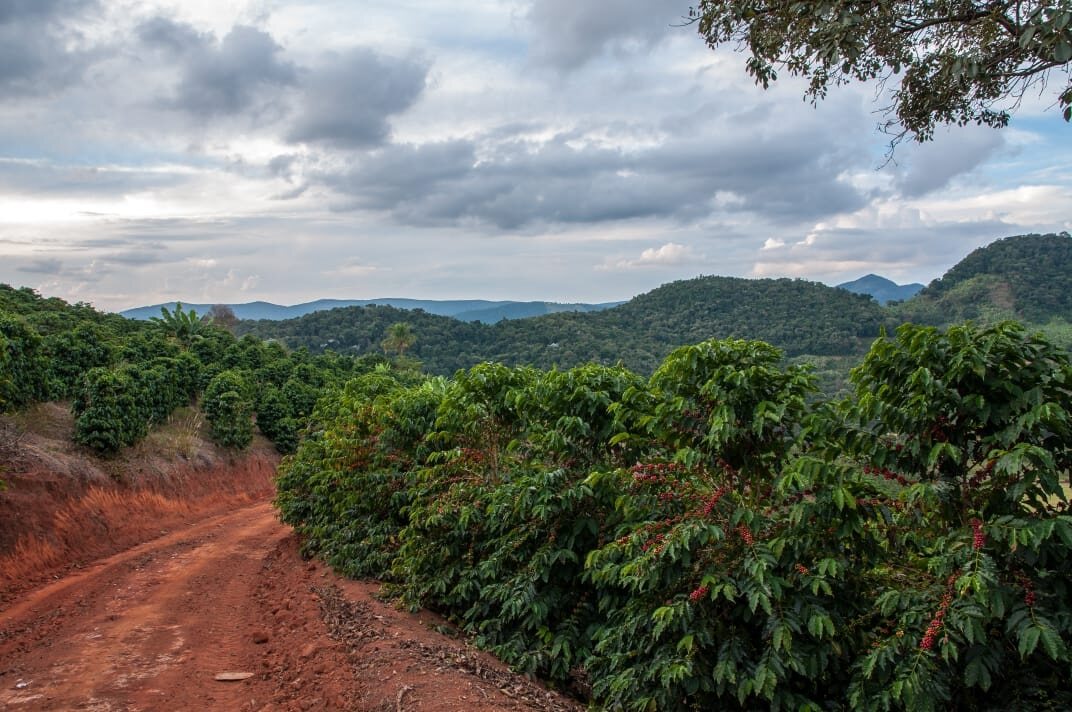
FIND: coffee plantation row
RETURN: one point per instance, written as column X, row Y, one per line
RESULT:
column 716, row 536
column 123, row 377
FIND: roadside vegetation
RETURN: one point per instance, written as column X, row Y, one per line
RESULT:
column 713, row 537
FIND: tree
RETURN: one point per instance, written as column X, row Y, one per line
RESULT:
column 399, row 337
column 222, row 316
column 958, row 61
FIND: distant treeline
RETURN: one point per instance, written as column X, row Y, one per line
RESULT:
column 1027, row 278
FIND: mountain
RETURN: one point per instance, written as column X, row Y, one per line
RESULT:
column 463, row 309
column 882, row 289
column 525, row 310
column 801, row 317
column 1024, row 277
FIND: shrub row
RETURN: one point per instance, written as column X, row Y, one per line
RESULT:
column 714, row 538
column 116, row 406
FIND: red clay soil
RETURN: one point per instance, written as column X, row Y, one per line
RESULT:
column 62, row 507
column 131, row 583
column 151, row 628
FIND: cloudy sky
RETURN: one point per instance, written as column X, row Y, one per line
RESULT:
column 234, row 150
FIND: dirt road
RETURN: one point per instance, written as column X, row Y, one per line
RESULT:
column 152, row 627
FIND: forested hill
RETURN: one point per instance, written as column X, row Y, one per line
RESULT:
column 1026, row 277
column 798, row 316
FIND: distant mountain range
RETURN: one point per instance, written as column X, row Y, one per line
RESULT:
column 481, row 310
column 1027, row 277
column 882, row 289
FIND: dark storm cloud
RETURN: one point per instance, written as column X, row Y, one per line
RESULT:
column 516, row 183
column 347, row 101
column 21, row 10
column 35, row 55
column 282, row 166
column 227, row 77
column 570, row 33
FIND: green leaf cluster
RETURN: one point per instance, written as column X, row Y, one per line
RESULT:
column 714, row 537
column 957, row 61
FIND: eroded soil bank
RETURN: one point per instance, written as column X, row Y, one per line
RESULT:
column 62, row 507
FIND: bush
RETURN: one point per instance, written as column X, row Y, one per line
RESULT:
column 228, row 406
column 110, row 410
column 714, row 538
column 24, row 374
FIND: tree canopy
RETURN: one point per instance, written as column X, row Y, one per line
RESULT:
column 957, row 61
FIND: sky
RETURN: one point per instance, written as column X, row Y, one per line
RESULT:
column 226, row 151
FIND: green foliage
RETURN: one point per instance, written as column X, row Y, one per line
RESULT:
column 23, row 364
column 110, row 409
column 1024, row 277
column 125, row 376
column 973, row 426
column 71, row 353
column 115, row 406
column 228, row 406
column 275, row 419
column 399, row 337
column 958, row 62
column 714, row 538
column 797, row 316
column 182, row 326
column 345, row 488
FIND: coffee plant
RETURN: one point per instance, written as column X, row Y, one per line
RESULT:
column 23, row 366
column 714, row 537
column 228, row 406
column 110, row 410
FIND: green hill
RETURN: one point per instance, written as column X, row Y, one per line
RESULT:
column 1026, row 277
column 803, row 318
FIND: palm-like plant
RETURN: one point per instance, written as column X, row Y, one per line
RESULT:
column 399, row 337
column 183, row 326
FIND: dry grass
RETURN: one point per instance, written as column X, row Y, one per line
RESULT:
column 181, row 436
column 48, row 420
column 84, row 527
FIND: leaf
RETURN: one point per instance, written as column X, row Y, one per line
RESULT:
column 1050, row 642
column 1029, row 639
column 976, row 674
column 1064, row 530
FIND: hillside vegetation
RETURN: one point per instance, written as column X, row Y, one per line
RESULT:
column 461, row 309
column 798, row 316
column 1028, row 278
column 123, row 378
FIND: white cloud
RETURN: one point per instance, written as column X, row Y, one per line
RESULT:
column 671, row 254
